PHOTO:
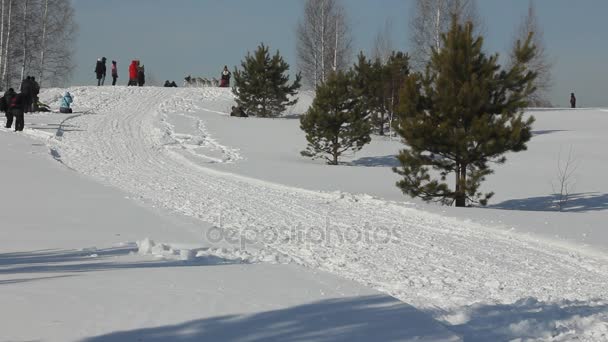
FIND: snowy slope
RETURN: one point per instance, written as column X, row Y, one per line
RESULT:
column 69, row 271
column 178, row 150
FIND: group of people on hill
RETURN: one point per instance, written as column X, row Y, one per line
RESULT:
column 137, row 72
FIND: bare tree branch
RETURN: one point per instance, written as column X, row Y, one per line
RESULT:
column 324, row 41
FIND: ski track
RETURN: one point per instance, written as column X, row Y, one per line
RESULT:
column 438, row 264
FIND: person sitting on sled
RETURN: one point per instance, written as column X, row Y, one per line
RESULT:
column 225, row 80
column 66, row 101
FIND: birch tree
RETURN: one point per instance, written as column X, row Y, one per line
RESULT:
column 383, row 43
column 541, row 64
column 324, row 41
column 431, row 18
column 26, row 28
column 5, row 79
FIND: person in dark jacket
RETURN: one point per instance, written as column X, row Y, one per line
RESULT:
column 173, row 84
column 27, row 90
column 35, row 93
column 5, row 103
column 167, row 84
column 100, row 71
column 17, row 107
column 572, row 100
column 225, row 79
column 114, row 73
column 141, row 76
column 238, row 112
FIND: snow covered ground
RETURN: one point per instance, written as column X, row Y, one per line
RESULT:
column 72, row 269
column 517, row 270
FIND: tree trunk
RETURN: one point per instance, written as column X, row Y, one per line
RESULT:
column 335, row 68
column 438, row 29
column 43, row 48
column 323, row 42
column 24, row 40
column 8, row 41
column 461, row 181
column 1, row 38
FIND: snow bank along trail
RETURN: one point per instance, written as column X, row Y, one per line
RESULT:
column 438, row 264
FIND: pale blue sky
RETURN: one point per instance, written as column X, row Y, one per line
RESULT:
column 174, row 38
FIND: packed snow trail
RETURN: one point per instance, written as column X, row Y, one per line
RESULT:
column 438, row 264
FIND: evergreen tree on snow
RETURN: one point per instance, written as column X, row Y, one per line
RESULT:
column 464, row 112
column 336, row 121
column 262, row 86
column 378, row 85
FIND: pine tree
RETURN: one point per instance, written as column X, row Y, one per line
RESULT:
column 462, row 114
column 261, row 87
column 377, row 84
column 335, row 123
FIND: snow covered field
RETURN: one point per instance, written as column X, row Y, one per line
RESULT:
column 235, row 193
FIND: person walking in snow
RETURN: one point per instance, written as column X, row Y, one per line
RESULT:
column 225, row 78
column 5, row 102
column 572, row 100
column 114, row 73
column 133, row 72
column 66, row 102
column 141, row 76
column 100, row 71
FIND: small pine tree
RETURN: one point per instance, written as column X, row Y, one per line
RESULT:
column 462, row 114
column 262, row 88
column 335, row 123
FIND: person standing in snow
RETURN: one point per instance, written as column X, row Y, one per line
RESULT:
column 17, row 107
column 27, row 90
column 572, row 100
column 141, row 76
column 114, row 73
column 35, row 93
column 133, row 72
column 66, row 102
column 225, row 78
column 5, row 102
column 100, row 71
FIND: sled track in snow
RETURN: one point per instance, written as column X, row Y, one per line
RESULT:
column 432, row 262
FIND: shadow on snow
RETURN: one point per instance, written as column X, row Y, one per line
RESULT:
column 581, row 202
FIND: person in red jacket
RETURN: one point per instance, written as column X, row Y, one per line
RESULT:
column 133, row 68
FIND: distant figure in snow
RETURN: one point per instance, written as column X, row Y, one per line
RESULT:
column 27, row 89
column 35, row 93
column 133, row 72
column 167, row 84
column 141, row 76
column 5, row 102
column 173, row 84
column 66, row 102
column 16, row 106
column 100, row 71
column 572, row 100
column 114, row 73
column 225, row 79
column 238, row 112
